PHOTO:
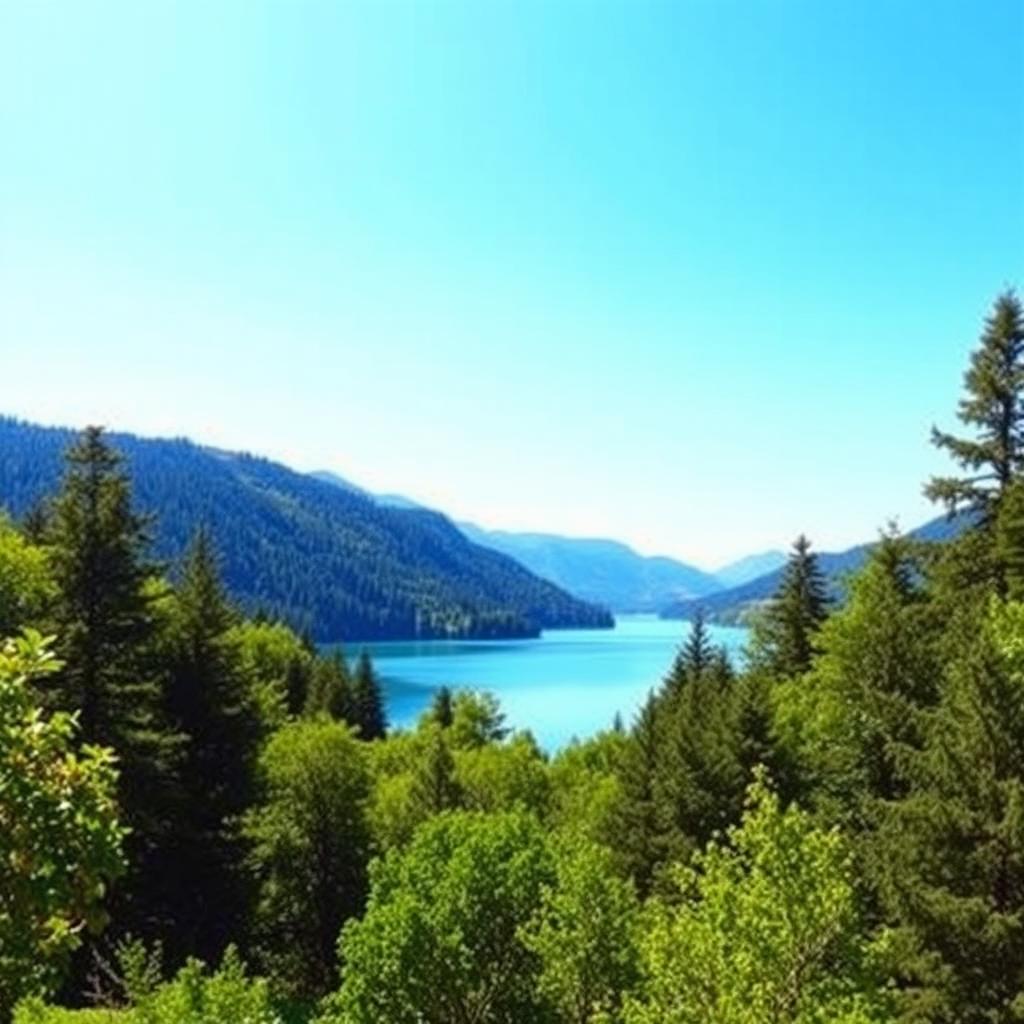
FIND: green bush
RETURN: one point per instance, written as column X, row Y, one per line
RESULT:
column 195, row 996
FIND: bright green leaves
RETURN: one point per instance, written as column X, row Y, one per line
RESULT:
column 764, row 928
column 60, row 842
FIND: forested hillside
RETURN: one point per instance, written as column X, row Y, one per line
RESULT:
column 329, row 561
column 736, row 604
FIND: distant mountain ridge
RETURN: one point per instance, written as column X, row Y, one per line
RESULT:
column 604, row 571
column 731, row 604
column 327, row 558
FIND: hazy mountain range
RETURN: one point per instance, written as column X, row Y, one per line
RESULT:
column 612, row 574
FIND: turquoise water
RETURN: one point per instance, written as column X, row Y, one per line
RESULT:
column 565, row 683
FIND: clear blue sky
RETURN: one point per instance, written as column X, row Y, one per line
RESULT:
column 696, row 275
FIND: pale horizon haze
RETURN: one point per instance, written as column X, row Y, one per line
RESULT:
column 696, row 276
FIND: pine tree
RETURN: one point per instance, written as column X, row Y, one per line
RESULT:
column 1009, row 548
column 434, row 787
column 368, row 702
column 637, row 820
column 108, row 636
column 209, row 700
column 783, row 638
column 442, row 707
column 695, row 656
column 330, row 690
column 103, row 617
column 992, row 406
column 952, row 850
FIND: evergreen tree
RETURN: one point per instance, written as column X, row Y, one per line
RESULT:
column 992, row 407
column 97, row 548
column 330, row 689
column 442, row 707
column 783, row 638
column 1009, row 548
column 367, row 701
column 434, row 788
column 210, row 703
column 637, row 826
column 952, row 849
column 696, row 654
column 105, row 618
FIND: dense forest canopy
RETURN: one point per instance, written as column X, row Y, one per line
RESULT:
column 329, row 561
column 203, row 819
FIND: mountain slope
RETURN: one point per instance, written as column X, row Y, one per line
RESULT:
column 731, row 604
column 603, row 571
column 735, row 574
column 326, row 558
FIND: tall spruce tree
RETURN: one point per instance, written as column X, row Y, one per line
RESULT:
column 783, row 636
column 368, row 701
column 696, row 655
column 636, row 823
column 951, row 851
column 108, row 641
column 442, row 707
column 992, row 407
column 209, row 701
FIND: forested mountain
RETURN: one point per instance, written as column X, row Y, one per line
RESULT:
column 733, row 603
column 327, row 559
column 603, row 571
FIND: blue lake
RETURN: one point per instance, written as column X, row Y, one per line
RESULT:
column 565, row 683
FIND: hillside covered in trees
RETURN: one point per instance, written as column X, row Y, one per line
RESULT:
column 203, row 820
column 330, row 562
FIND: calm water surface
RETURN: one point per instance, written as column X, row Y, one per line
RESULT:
column 565, row 683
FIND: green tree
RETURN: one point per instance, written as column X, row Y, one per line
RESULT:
column 441, row 939
column 309, row 850
column 763, row 928
column 434, row 786
column 637, row 821
column 783, row 640
column 106, row 613
column 992, row 408
column 442, row 708
column 278, row 665
column 585, row 936
column 502, row 776
column 97, row 547
column 696, row 655
column 952, row 849
column 211, row 705
column 368, row 701
column 332, row 692
column 60, row 841
column 196, row 995
column 1009, row 547
column 852, row 723
column 26, row 588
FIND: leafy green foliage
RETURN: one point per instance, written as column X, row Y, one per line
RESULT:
column 441, row 938
column 195, row 996
column 763, row 928
column 60, row 841
column 27, row 589
column 585, row 936
column 309, row 848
